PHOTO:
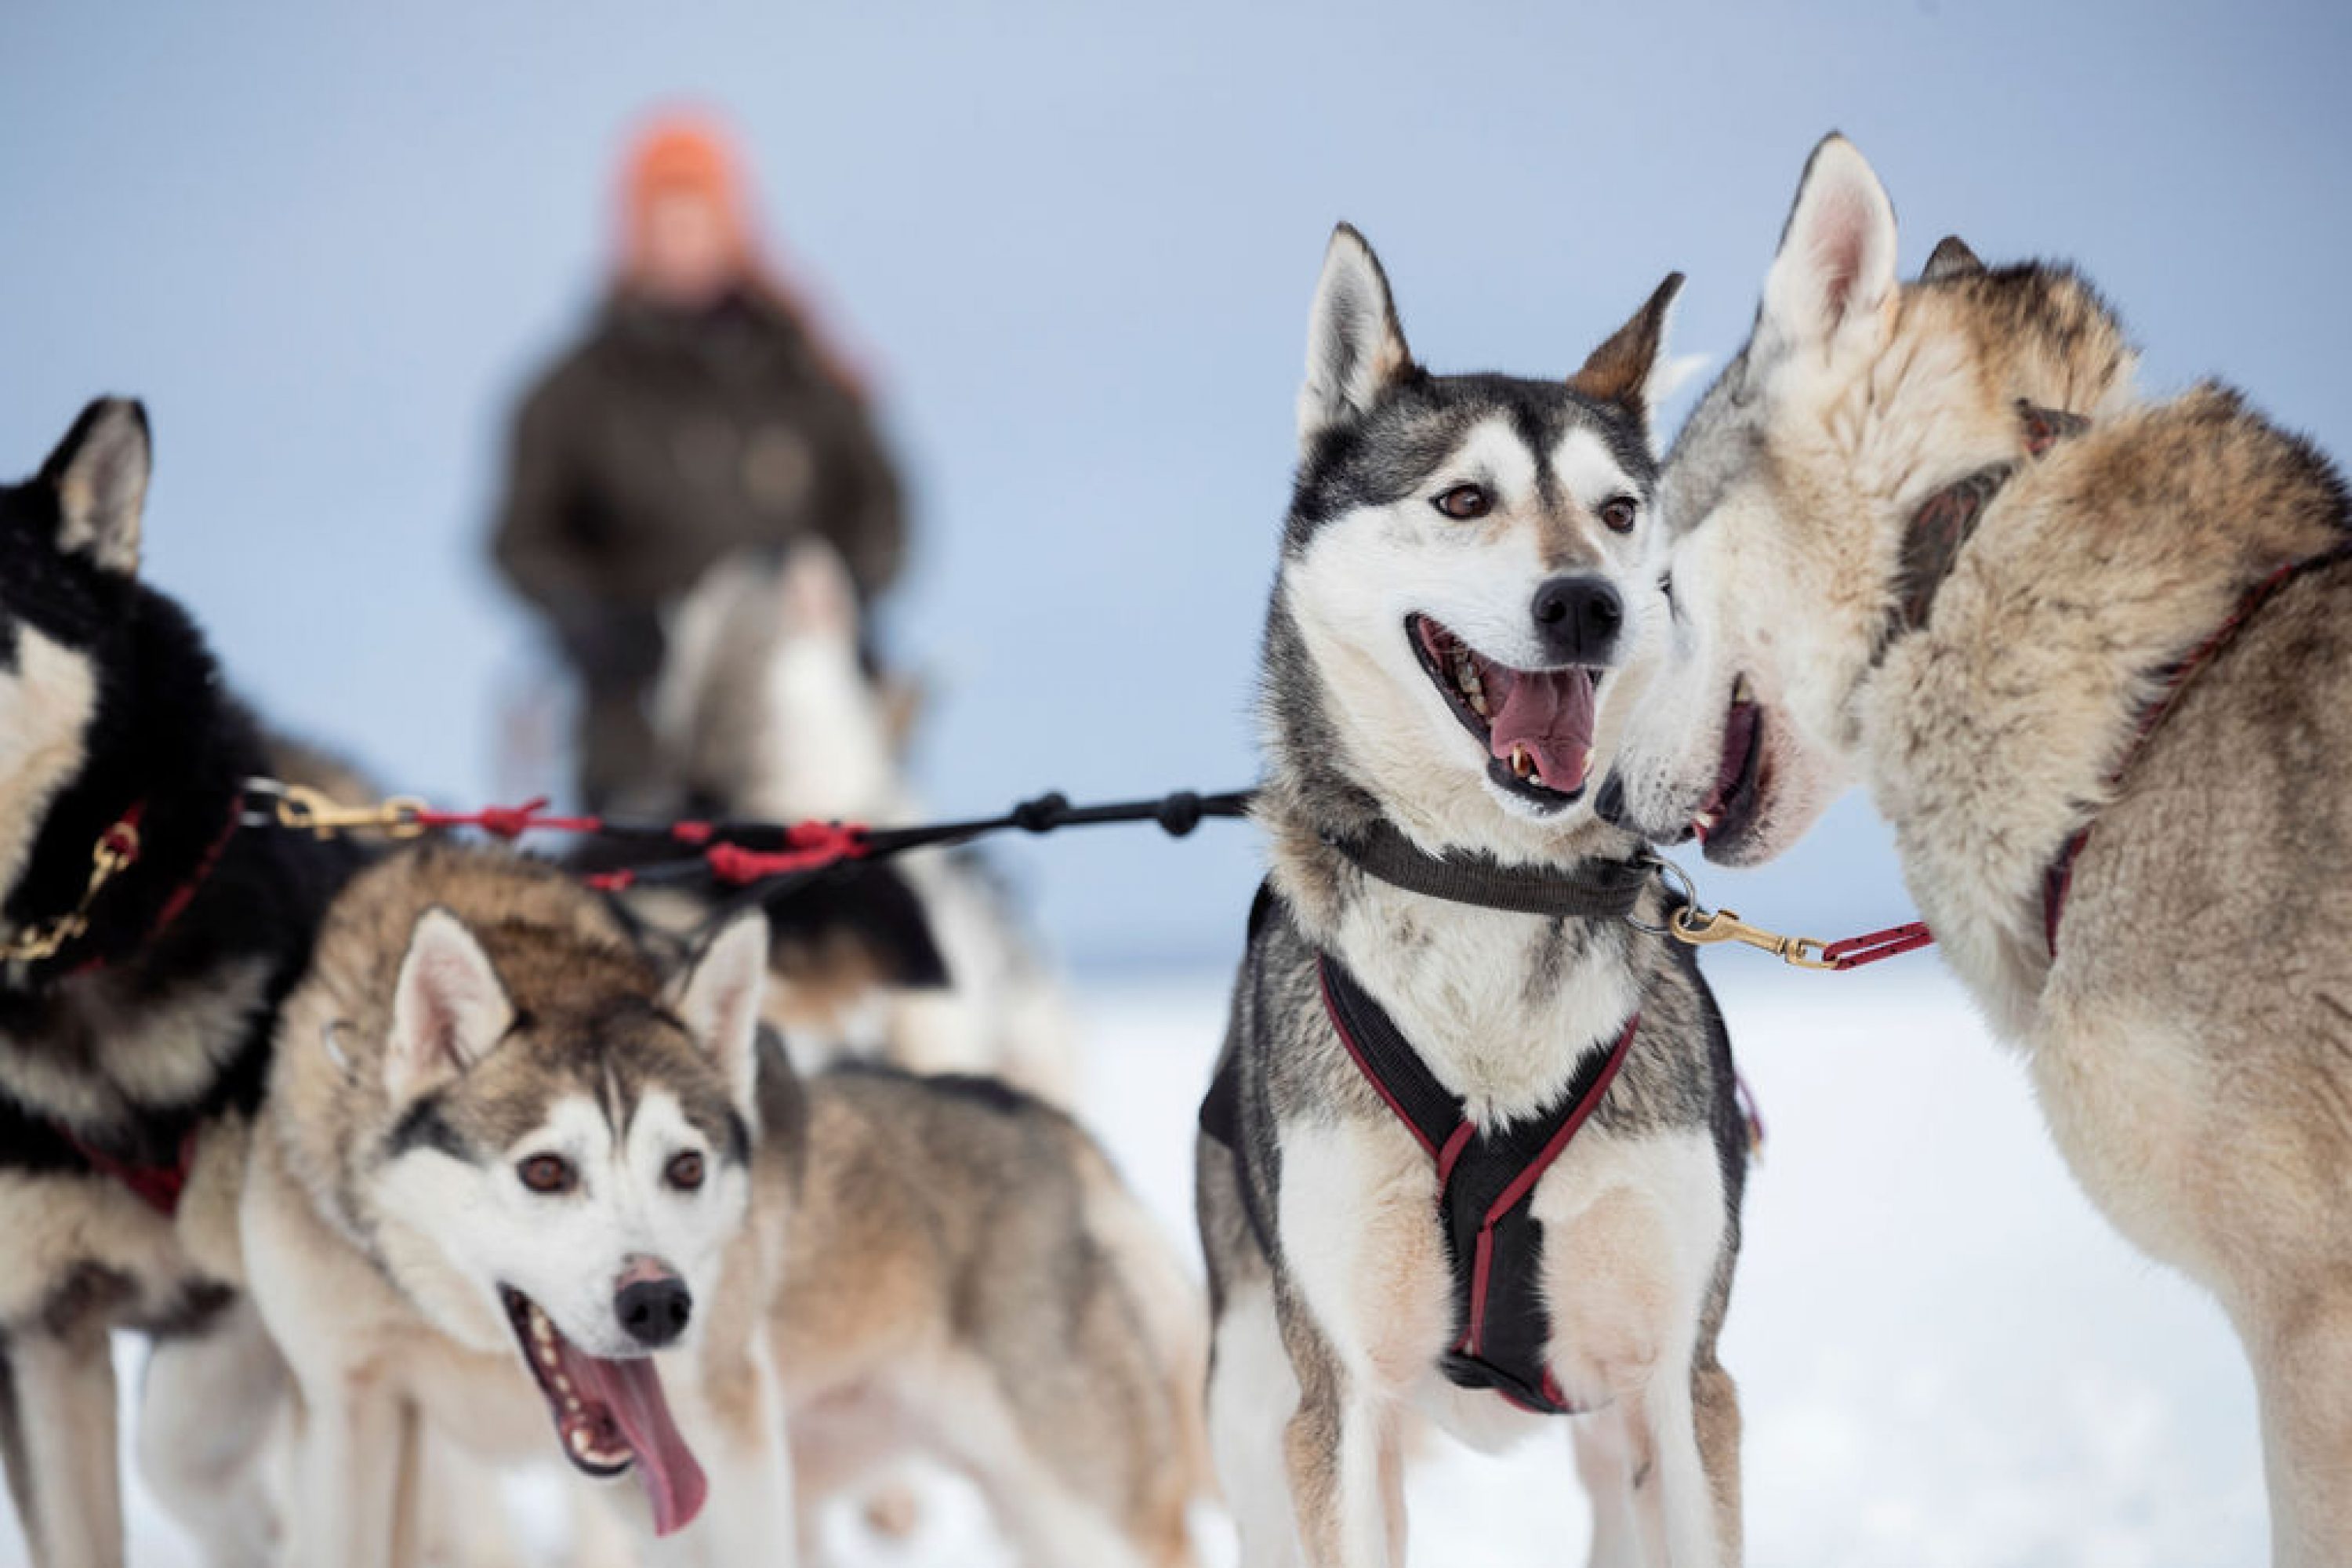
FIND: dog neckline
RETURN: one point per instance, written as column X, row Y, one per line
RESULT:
column 1944, row 522
column 1585, row 889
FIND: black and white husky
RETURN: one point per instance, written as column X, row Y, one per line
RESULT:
column 147, row 941
column 1473, row 1149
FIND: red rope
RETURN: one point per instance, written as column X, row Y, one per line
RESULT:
column 511, row 822
column 813, row 846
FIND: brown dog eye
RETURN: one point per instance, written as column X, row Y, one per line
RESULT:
column 1464, row 501
column 1617, row 513
column 547, row 1173
column 685, row 1172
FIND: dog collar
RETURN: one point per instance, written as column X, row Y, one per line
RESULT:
column 1587, row 889
column 1946, row 522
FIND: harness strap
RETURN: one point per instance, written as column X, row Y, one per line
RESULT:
column 2059, row 880
column 1589, row 890
column 1486, row 1183
column 157, row 1186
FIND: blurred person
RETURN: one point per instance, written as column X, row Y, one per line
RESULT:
column 701, row 414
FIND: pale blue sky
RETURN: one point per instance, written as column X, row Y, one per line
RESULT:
column 327, row 243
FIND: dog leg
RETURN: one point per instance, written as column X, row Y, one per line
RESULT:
column 347, row 1479
column 2302, row 1375
column 65, row 1430
column 1672, row 1498
column 1604, row 1462
column 208, row 1404
column 1715, row 1404
column 1252, row 1394
column 1341, row 1453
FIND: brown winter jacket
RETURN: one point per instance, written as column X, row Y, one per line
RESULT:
column 665, row 441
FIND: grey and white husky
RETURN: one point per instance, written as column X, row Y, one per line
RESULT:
column 1461, row 608
column 517, row 1186
column 767, row 709
column 1930, row 535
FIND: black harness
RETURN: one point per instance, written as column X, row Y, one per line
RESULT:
column 1485, row 1188
column 1487, row 1179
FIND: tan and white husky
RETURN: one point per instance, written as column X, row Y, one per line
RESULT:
column 1929, row 535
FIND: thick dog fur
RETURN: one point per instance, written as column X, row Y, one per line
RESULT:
column 877, row 1261
column 1329, row 1335
column 144, row 1038
column 2191, row 1042
column 466, row 1012
column 769, row 712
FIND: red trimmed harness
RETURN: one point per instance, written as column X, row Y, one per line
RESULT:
column 2059, row 880
column 1486, row 1182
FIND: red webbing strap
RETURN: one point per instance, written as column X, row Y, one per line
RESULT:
column 157, row 1186
column 1872, row 947
column 511, row 822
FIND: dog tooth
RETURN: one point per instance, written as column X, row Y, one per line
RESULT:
column 1743, row 689
column 563, row 1386
column 1522, row 763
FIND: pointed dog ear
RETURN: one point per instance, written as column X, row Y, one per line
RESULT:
column 1355, row 349
column 1836, row 265
column 448, row 1008
column 815, row 597
column 718, row 999
column 1952, row 259
column 1631, row 369
column 98, row 473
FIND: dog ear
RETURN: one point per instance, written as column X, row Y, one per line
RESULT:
column 1836, row 264
column 98, row 473
column 718, row 998
column 1355, row 349
column 1631, row 369
column 1952, row 259
column 815, row 595
column 448, row 1008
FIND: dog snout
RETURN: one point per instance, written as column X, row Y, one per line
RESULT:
column 654, row 1308
column 1578, row 618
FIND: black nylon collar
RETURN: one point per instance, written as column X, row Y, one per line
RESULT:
column 1587, row 889
column 1946, row 520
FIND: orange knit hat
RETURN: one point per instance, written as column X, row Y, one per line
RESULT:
column 682, row 154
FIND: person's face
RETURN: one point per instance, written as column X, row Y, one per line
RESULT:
column 687, row 260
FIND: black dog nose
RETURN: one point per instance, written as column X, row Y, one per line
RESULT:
column 655, row 1310
column 1609, row 804
column 1578, row 618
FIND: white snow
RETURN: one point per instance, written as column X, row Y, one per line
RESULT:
column 1945, row 1357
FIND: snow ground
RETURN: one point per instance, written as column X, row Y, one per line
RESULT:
column 1945, row 1358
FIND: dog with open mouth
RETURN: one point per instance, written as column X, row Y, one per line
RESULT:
column 520, row 1182
column 2088, row 647
column 503, row 1185
column 1473, row 1148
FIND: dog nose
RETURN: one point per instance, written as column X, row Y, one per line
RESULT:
column 1609, row 804
column 1578, row 617
column 655, row 1311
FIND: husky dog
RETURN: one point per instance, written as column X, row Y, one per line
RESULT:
column 147, row 942
column 770, row 712
column 502, row 1181
column 1930, row 535
column 496, row 1137
column 966, row 1276
column 1461, row 598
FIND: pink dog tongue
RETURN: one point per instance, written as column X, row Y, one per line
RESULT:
column 1551, row 713
column 673, row 1480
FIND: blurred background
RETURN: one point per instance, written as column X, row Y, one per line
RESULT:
column 1072, row 246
